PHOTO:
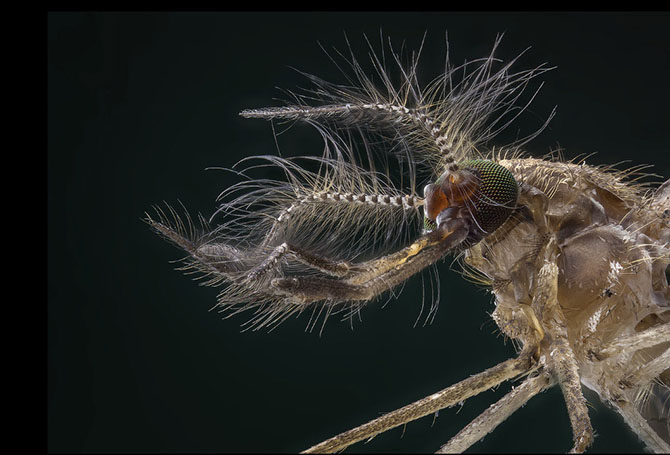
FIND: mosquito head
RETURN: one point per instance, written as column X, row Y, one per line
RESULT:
column 480, row 190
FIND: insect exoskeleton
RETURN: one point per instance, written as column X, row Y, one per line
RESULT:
column 576, row 255
column 482, row 191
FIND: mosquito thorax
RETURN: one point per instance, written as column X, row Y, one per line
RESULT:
column 481, row 190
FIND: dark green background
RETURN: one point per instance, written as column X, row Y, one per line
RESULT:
column 140, row 104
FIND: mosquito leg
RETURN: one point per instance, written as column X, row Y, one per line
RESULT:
column 640, row 426
column 433, row 403
column 565, row 367
column 322, row 264
column 497, row 413
column 647, row 372
column 648, row 417
column 645, row 339
column 560, row 357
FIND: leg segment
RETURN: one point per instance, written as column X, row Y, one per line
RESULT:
column 640, row 426
column 565, row 367
column 497, row 413
column 433, row 403
column 649, row 371
column 645, row 339
column 560, row 358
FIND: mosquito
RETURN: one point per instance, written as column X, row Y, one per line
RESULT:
column 576, row 255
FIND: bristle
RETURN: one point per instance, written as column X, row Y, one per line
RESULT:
column 441, row 122
column 383, row 141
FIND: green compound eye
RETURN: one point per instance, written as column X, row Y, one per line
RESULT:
column 496, row 196
column 481, row 190
column 428, row 225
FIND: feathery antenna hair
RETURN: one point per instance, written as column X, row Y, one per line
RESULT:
column 352, row 207
column 443, row 122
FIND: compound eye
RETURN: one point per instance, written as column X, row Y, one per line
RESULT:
column 435, row 201
column 495, row 195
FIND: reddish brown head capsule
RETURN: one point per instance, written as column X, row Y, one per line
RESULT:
column 451, row 190
column 482, row 190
